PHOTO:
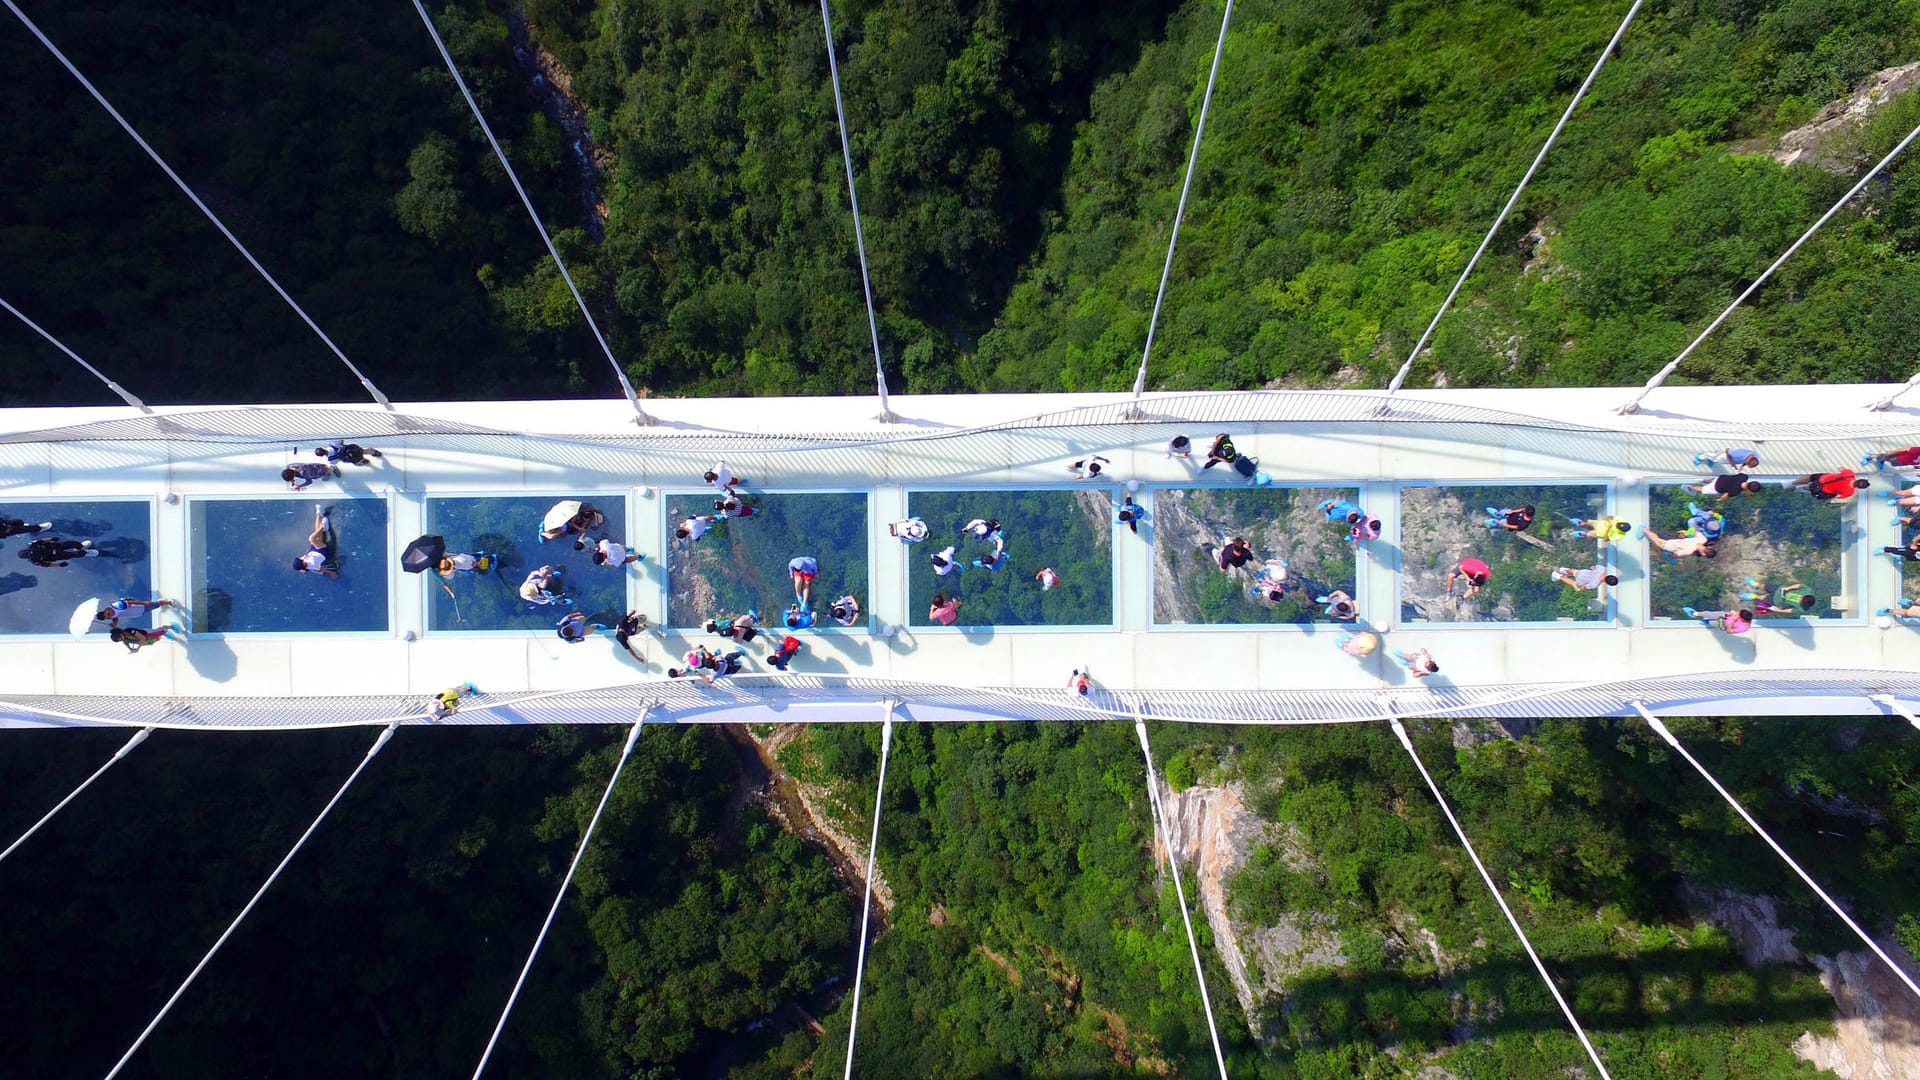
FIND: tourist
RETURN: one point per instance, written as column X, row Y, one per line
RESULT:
column 723, row 480
column 943, row 561
column 1357, row 644
column 945, row 609
column 1270, row 582
column 1904, row 609
column 1179, row 447
column 1825, row 486
column 695, row 527
column 1078, row 685
column 798, row 618
column 1342, row 511
column 1733, row 622
column 1725, row 485
column 803, row 569
column 981, row 529
column 1047, row 578
column 1792, row 597
column 121, row 608
column 741, row 628
column 136, row 639
column 447, row 702
column 1511, row 519
column 733, row 507
column 1221, row 451
column 574, row 628
column 909, row 530
column 1604, row 529
column 1585, row 580
column 1474, row 571
column 321, row 543
column 1680, row 547
column 1236, row 554
column 13, row 526
column 539, row 585
column 1130, row 514
column 610, row 552
column 993, row 562
column 1088, row 468
column 1418, row 663
column 47, row 552
column 340, row 450
column 630, row 626
column 301, row 474
column 1741, row 459
column 1709, row 523
column 782, row 656
column 1909, row 552
column 1367, row 528
column 1908, row 497
column 1339, row 606
column 1901, row 459
column 845, row 611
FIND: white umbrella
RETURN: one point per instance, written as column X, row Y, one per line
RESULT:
column 82, row 618
column 561, row 513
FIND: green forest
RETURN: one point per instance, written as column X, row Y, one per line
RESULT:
column 1018, row 167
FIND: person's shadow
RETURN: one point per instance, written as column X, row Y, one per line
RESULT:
column 213, row 658
column 16, row 582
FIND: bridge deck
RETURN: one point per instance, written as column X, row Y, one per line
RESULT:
column 974, row 442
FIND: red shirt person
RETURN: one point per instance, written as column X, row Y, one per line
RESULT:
column 1833, row 485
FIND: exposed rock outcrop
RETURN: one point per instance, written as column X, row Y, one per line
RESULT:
column 1824, row 142
column 1212, row 832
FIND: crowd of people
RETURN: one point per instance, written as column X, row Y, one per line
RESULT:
column 981, row 547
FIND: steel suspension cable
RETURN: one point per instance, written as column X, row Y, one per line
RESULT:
column 138, row 738
column 1566, row 1010
column 1905, row 713
column 625, row 753
column 96, row 372
column 1661, row 728
column 620, row 373
column 1660, row 376
column 204, row 209
column 1193, row 158
column 1180, row 891
column 1513, row 200
column 866, row 908
column 853, row 197
column 1886, row 403
column 378, row 743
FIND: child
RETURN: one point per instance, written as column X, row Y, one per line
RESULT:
column 1419, row 664
column 447, row 702
column 1130, row 514
column 301, row 474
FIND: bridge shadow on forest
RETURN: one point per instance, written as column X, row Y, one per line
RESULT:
column 1679, row 987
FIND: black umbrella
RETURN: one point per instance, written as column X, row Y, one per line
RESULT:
column 423, row 554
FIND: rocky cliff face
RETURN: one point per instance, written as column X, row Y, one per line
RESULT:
column 1877, row 1026
column 1825, row 142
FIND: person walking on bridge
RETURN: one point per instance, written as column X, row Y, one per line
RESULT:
column 1899, row 459
column 943, row 561
column 1418, row 663
column 1680, row 547
column 13, row 526
column 1236, row 554
column 908, row 530
column 447, row 702
column 789, row 648
column 1088, row 468
column 1832, row 485
column 321, row 543
column 723, row 480
column 538, row 588
column 574, row 628
column 741, row 628
column 1739, row 459
column 803, row 569
column 1339, row 606
column 1725, row 485
column 845, row 611
column 693, row 528
column 630, row 626
column 1589, row 579
column 340, row 450
column 1604, row 529
column 1474, row 571
column 111, row 614
column 47, row 552
column 302, row 474
column 945, row 609
column 1733, row 622
column 135, row 638
column 1130, row 514
column 1513, row 519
